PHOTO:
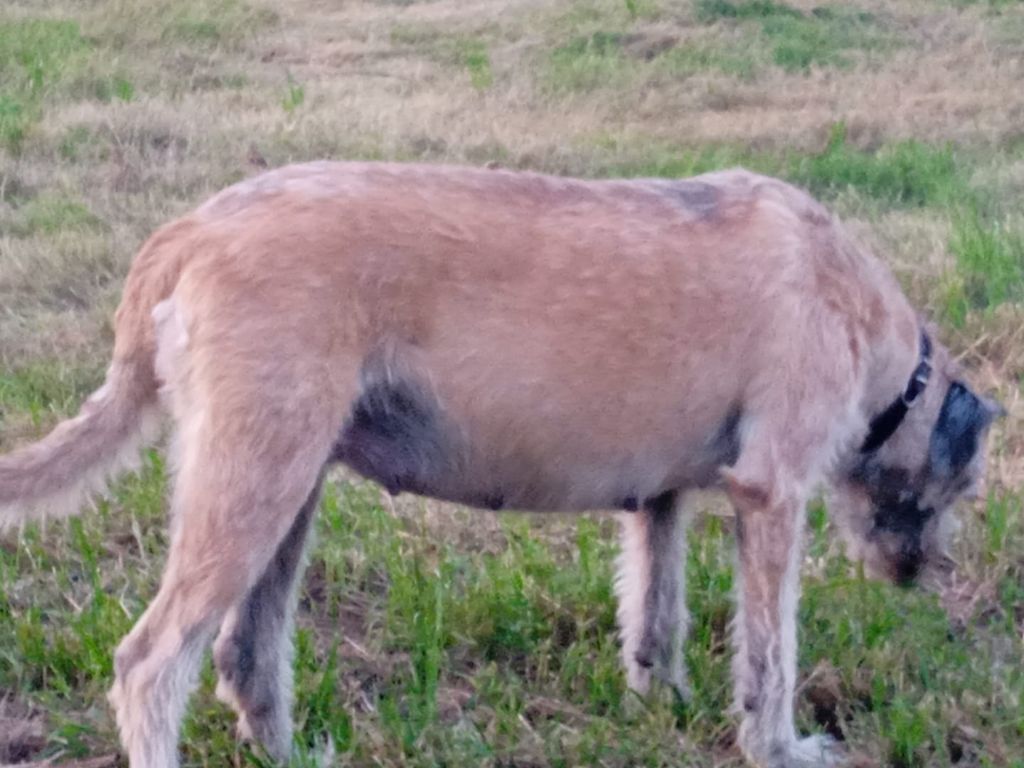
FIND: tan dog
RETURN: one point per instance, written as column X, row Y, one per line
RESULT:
column 511, row 340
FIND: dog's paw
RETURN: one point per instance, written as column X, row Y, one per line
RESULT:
column 824, row 750
column 818, row 751
column 657, row 688
column 812, row 752
column 674, row 680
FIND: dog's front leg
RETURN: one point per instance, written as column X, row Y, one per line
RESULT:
column 769, row 533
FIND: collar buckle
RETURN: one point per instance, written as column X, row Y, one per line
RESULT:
column 917, row 384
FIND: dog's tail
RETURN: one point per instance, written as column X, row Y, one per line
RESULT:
column 56, row 475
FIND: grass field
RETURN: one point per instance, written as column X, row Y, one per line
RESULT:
column 437, row 636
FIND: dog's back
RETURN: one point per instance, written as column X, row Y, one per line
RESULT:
column 551, row 338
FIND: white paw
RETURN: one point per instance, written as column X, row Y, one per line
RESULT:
column 819, row 751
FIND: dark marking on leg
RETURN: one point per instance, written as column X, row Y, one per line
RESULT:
column 656, row 641
column 661, row 504
column 757, row 667
column 741, row 533
column 248, row 654
column 630, row 503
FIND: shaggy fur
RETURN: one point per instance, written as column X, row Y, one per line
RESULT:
column 511, row 340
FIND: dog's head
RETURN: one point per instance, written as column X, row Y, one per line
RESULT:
column 896, row 504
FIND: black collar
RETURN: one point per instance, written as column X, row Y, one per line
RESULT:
column 889, row 420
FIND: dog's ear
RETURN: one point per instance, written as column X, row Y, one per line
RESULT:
column 962, row 420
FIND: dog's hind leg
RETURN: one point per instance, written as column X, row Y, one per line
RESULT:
column 247, row 468
column 650, row 585
column 253, row 651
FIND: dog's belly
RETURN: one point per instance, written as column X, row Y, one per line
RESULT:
column 402, row 439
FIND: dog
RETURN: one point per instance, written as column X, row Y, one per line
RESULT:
column 513, row 340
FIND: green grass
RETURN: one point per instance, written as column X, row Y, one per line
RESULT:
column 901, row 174
column 505, row 652
column 44, row 391
column 587, row 62
column 691, row 59
column 213, row 23
column 595, row 46
column 713, row 10
column 905, row 173
column 469, row 53
column 294, row 96
column 34, row 55
column 473, row 55
column 621, row 60
column 50, row 214
column 76, row 142
column 39, row 57
column 823, row 39
column 797, row 40
column 674, row 163
column 114, row 87
column 989, row 265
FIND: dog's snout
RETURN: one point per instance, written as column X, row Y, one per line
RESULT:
column 908, row 563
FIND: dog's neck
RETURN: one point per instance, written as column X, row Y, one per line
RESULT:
column 884, row 424
column 892, row 337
